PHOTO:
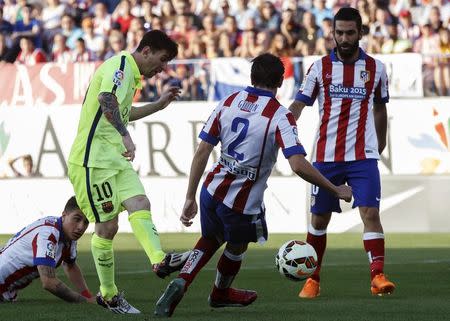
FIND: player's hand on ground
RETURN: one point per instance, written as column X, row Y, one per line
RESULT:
column 168, row 95
column 344, row 192
column 130, row 147
column 190, row 209
column 91, row 300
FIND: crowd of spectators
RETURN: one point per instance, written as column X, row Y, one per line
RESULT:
column 87, row 30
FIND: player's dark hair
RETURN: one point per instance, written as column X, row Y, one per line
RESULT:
column 267, row 71
column 158, row 40
column 71, row 205
column 348, row 14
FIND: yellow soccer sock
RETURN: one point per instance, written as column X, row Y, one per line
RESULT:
column 146, row 233
column 102, row 251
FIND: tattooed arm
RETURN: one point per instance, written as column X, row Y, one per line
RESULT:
column 55, row 286
column 110, row 108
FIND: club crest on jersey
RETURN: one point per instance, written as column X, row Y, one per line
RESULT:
column 364, row 75
column 118, row 77
column 107, row 207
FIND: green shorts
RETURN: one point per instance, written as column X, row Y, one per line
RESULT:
column 100, row 192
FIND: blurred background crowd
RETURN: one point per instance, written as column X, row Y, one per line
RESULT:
column 34, row 32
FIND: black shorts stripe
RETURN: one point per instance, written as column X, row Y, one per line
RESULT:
column 89, row 193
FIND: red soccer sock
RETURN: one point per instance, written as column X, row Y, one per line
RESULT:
column 318, row 240
column 227, row 268
column 201, row 254
column 374, row 246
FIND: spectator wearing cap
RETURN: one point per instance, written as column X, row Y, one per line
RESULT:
column 406, row 28
column 29, row 55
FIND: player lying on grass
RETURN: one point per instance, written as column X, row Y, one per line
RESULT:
column 251, row 126
column 38, row 249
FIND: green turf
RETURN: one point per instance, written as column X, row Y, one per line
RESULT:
column 418, row 263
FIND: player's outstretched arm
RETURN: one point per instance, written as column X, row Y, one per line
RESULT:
column 197, row 169
column 55, row 286
column 310, row 174
column 380, row 117
column 74, row 274
column 296, row 108
column 110, row 108
column 168, row 95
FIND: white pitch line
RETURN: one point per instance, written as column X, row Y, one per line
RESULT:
column 268, row 267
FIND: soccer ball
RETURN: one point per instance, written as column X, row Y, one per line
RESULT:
column 296, row 260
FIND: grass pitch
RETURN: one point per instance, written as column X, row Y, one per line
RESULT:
column 419, row 264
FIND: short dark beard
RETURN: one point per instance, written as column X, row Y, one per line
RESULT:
column 348, row 54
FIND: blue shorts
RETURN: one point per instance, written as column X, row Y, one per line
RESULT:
column 362, row 175
column 220, row 222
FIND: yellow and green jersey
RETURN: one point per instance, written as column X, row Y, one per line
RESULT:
column 98, row 143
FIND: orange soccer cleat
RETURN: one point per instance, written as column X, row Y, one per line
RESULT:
column 310, row 290
column 380, row 285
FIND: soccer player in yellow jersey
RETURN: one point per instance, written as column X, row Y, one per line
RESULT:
column 99, row 163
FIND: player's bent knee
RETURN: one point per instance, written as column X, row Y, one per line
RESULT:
column 137, row 203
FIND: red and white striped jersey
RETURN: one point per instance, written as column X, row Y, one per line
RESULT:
column 40, row 243
column 251, row 126
column 346, row 93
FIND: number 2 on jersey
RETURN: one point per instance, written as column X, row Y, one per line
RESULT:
column 240, row 138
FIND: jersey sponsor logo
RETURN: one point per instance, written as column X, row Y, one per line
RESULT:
column 247, row 106
column 364, row 75
column 118, row 77
column 340, row 91
column 51, row 251
column 192, row 261
column 107, row 207
column 234, row 167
